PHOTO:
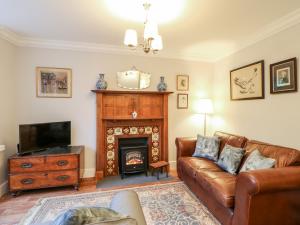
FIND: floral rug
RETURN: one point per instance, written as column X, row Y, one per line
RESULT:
column 163, row 204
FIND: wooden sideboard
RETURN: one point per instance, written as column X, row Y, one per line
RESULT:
column 51, row 168
column 117, row 108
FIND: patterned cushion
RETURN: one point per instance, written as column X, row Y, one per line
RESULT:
column 91, row 216
column 257, row 161
column 231, row 158
column 207, row 147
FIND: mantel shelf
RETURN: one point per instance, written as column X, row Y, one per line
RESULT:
column 132, row 92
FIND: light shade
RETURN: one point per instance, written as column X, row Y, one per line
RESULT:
column 157, row 43
column 130, row 38
column 205, row 106
column 151, row 29
column 2, row 148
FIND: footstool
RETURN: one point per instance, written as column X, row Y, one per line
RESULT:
column 158, row 167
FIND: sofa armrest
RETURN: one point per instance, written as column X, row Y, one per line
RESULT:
column 185, row 146
column 269, row 196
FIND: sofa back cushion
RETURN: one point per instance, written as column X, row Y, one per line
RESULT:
column 230, row 139
column 284, row 156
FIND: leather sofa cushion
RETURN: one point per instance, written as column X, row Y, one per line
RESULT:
column 284, row 156
column 219, row 184
column 230, row 139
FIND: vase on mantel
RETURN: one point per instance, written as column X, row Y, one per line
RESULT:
column 162, row 86
column 101, row 83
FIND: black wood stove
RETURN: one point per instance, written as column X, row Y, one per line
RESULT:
column 133, row 155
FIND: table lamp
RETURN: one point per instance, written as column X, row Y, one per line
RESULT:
column 205, row 107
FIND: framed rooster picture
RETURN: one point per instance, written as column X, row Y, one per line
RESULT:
column 247, row 82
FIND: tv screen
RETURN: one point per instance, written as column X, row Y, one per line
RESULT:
column 35, row 137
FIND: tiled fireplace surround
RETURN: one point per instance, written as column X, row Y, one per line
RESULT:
column 152, row 132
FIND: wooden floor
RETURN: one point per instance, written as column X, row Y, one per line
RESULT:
column 13, row 209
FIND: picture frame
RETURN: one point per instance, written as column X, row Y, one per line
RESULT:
column 182, row 82
column 53, row 82
column 248, row 82
column 182, row 101
column 283, row 76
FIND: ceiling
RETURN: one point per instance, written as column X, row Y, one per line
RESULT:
column 205, row 30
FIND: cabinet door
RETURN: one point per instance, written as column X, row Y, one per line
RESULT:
column 150, row 106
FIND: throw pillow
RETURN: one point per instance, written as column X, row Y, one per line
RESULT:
column 207, row 147
column 257, row 161
column 231, row 158
column 93, row 215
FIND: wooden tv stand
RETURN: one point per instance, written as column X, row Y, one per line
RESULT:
column 50, row 168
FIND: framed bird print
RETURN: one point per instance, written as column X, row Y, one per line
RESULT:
column 247, row 82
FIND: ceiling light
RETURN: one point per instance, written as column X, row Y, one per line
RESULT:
column 152, row 40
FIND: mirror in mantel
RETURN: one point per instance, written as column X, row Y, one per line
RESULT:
column 133, row 79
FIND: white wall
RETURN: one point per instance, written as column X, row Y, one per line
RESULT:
column 80, row 109
column 8, row 89
column 274, row 119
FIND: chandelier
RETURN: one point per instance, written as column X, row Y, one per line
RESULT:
column 152, row 40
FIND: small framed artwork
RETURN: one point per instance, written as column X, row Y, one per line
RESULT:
column 182, row 82
column 247, row 82
column 53, row 82
column 283, row 76
column 182, row 101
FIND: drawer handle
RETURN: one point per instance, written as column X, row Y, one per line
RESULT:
column 62, row 163
column 27, row 181
column 26, row 165
column 62, row 177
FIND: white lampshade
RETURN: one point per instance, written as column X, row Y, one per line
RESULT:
column 157, row 43
column 205, row 106
column 151, row 30
column 130, row 38
column 2, row 148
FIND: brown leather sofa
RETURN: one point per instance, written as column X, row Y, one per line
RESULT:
column 258, row 197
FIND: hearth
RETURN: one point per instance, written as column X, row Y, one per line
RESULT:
column 133, row 155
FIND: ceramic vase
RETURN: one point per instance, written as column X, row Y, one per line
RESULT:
column 162, row 86
column 101, row 83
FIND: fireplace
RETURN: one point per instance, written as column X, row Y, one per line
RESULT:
column 133, row 155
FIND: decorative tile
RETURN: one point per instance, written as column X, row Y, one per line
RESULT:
column 148, row 130
column 110, row 139
column 118, row 131
column 133, row 130
column 155, row 136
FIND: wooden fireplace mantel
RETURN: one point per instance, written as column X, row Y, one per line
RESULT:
column 115, row 109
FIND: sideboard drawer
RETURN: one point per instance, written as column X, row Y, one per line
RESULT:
column 27, row 181
column 21, row 165
column 62, row 162
column 61, row 178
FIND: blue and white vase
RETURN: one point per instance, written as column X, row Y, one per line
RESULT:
column 162, row 86
column 101, row 83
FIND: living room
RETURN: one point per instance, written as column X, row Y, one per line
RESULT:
column 209, row 52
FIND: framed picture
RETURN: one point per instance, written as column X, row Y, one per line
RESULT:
column 182, row 101
column 53, row 82
column 247, row 82
column 283, row 76
column 182, row 82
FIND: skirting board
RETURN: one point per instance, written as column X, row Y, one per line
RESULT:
column 3, row 188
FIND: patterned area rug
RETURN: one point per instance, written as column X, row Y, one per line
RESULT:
column 163, row 204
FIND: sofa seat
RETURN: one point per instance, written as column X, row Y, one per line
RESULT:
column 218, row 183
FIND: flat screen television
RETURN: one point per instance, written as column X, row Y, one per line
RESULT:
column 40, row 136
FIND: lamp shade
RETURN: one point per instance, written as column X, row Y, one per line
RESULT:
column 130, row 38
column 151, row 30
column 205, row 106
column 157, row 44
column 2, row 148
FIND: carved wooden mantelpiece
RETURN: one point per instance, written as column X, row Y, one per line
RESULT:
column 122, row 114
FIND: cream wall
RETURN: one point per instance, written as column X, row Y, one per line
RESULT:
column 274, row 119
column 80, row 109
column 8, row 91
